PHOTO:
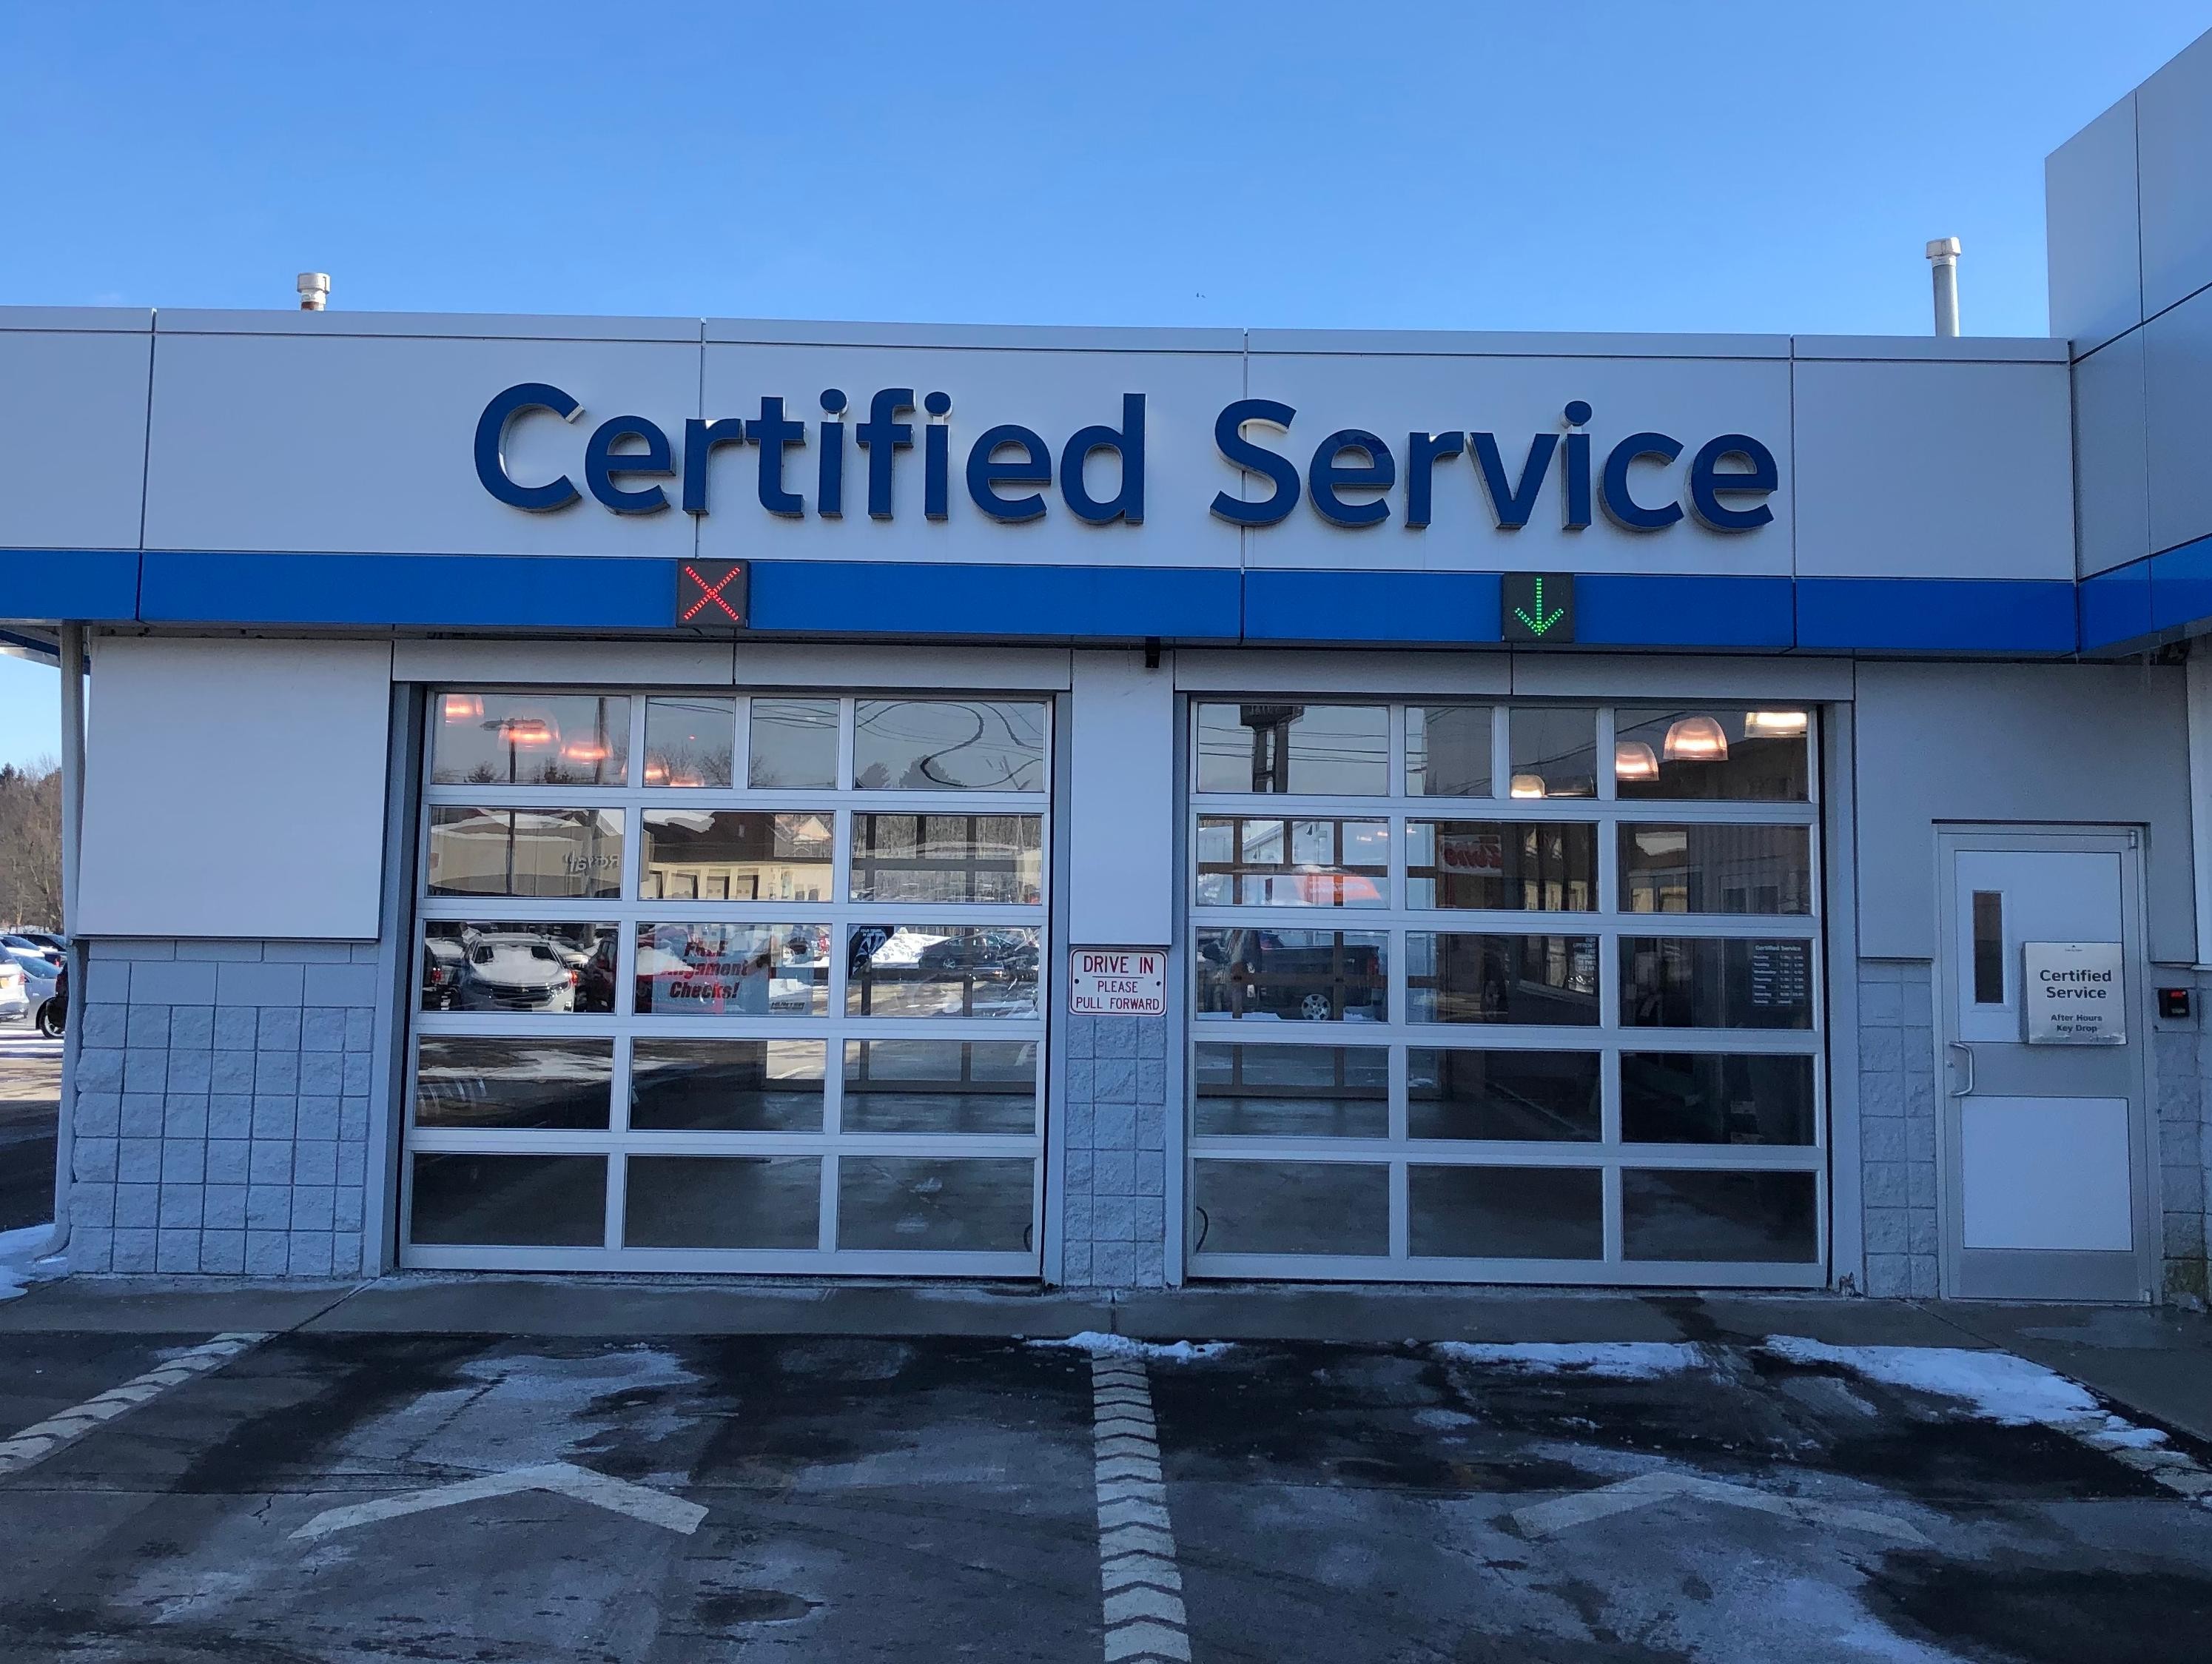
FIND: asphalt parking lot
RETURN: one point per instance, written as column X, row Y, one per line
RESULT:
column 336, row 1494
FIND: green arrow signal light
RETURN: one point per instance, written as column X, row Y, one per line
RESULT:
column 1542, row 621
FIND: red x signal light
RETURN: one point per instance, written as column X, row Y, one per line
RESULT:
column 710, row 594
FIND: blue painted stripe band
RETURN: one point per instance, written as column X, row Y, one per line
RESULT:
column 579, row 594
column 1935, row 615
column 1636, row 609
column 909, row 599
column 444, row 591
column 1407, row 608
column 86, row 586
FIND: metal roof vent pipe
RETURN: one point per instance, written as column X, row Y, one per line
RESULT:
column 1943, row 265
column 314, row 289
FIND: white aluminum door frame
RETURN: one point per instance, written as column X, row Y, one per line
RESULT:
column 2119, row 1277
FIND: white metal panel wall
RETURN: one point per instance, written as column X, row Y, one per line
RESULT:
column 72, row 428
column 1935, row 470
column 2111, row 439
column 1121, row 824
column 344, row 443
column 2094, row 240
column 2097, row 744
column 236, row 789
column 2174, row 133
column 2178, row 422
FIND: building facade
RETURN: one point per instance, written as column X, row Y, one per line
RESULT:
column 1112, row 807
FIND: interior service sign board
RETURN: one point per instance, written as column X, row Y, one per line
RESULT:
column 1117, row 982
column 2075, row 993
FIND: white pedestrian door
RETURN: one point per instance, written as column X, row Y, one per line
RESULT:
column 2043, row 1135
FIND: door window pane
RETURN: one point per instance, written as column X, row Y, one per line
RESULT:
column 1715, row 870
column 1251, row 861
column 509, row 1201
column 1712, row 754
column 1293, row 1092
column 793, row 742
column 1719, row 1216
column 1520, row 865
column 471, row 1081
column 733, row 970
column 490, row 964
column 545, row 853
column 948, row 858
column 689, row 741
column 1505, row 1213
column 1290, row 1207
column 1988, row 947
column 726, row 1086
column 722, row 1202
column 1455, row 977
column 1554, row 752
column 918, row 1203
column 740, row 855
column 1707, row 982
column 940, row 970
column 1293, row 976
column 1502, row 1095
column 529, row 740
column 1700, row 1098
column 948, row 745
column 940, row 1086
column 1326, row 751
column 1448, row 751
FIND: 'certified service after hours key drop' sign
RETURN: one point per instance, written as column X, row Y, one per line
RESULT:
column 2075, row 993
column 1117, row 982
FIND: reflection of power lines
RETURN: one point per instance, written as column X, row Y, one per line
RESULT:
column 1007, row 740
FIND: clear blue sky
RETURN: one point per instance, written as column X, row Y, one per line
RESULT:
column 1474, row 166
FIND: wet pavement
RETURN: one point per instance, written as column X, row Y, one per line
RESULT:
column 351, row 1496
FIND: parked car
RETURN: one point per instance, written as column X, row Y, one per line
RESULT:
column 19, row 943
column 53, row 939
column 509, row 971
column 45, row 982
column 15, row 992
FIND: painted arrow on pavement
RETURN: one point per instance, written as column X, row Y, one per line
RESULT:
column 1543, row 1519
column 655, row 1508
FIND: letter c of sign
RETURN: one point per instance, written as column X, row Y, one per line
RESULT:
column 491, row 443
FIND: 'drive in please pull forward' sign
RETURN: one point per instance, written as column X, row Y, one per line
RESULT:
column 1117, row 982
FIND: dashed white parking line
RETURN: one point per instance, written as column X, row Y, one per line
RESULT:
column 1140, row 1585
column 40, row 1440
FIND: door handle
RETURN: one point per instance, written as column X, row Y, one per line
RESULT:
column 1967, row 1052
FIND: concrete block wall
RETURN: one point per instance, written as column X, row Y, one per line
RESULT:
column 222, row 1108
column 1113, row 1219
column 1898, row 1124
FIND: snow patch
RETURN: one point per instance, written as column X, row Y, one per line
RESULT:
column 1603, row 1360
column 1126, row 1346
column 1998, row 1386
column 19, row 1263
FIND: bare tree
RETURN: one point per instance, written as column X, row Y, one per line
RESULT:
column 31, row 844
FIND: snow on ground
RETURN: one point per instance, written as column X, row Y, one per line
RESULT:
column 1126, row 1346
column 19, row 1264
column 1606, row 1360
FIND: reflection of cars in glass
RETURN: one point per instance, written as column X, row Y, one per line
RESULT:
column 515, row 973
column 442, row 959
column 1260, row 973
column 1009, row 953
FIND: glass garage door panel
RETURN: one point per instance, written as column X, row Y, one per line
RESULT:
column 1504, row 992
column 730, row 981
